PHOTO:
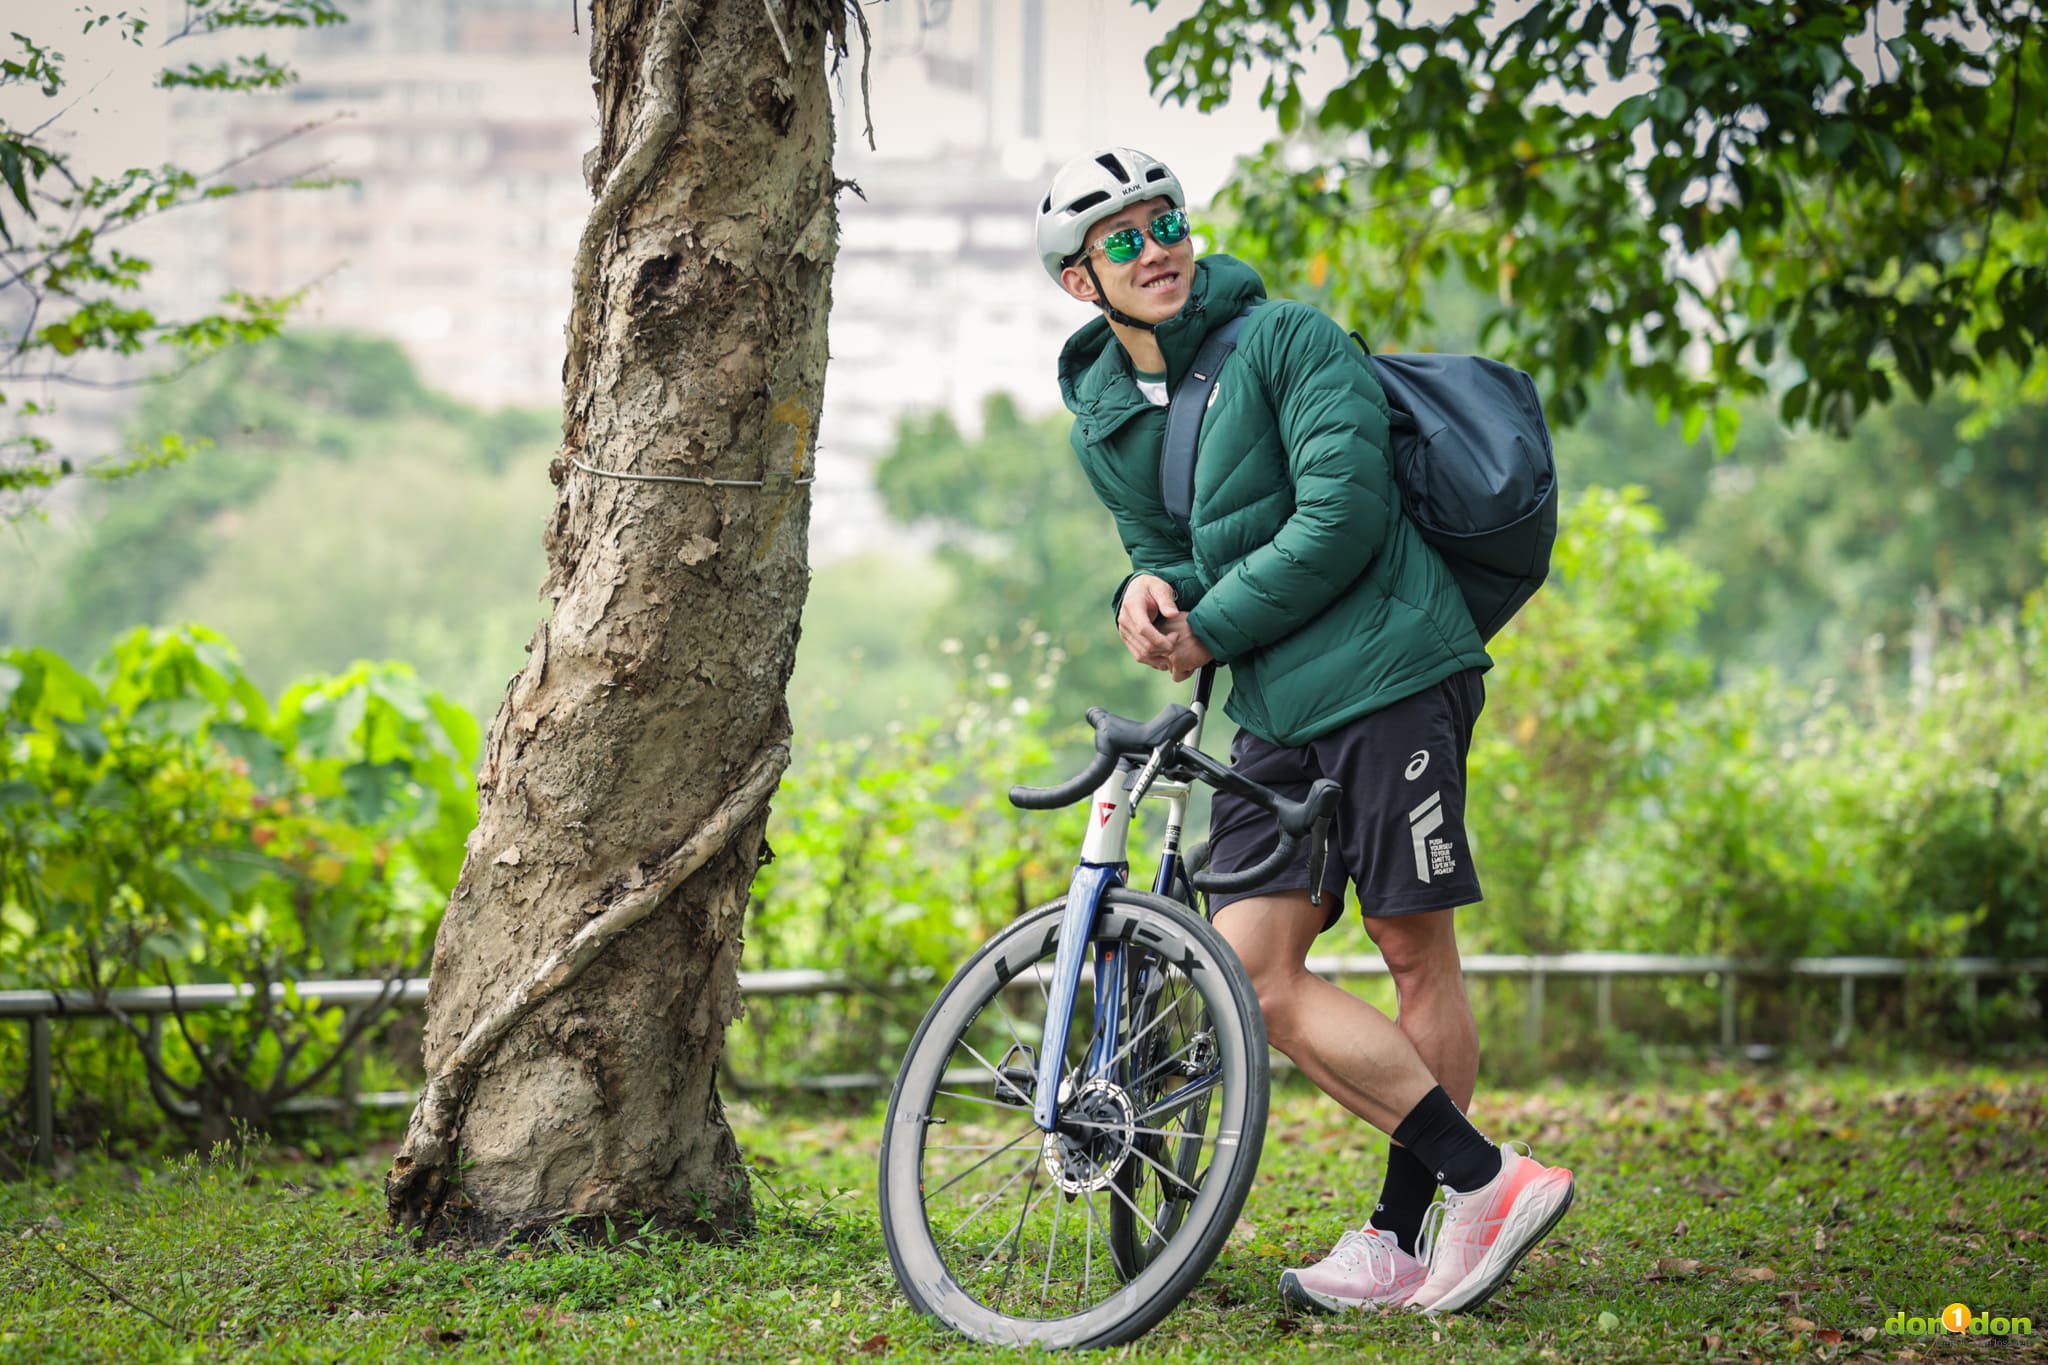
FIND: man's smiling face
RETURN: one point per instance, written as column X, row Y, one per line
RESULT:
column 1151, row 288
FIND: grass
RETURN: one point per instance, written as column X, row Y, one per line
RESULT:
column 1723, row 1215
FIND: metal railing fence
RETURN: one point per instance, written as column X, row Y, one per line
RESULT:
column 40, row 1007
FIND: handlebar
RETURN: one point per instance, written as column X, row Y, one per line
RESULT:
column 1117, row 738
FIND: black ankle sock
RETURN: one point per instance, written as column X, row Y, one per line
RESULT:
column 1405, row 1197
column 1446, row 1143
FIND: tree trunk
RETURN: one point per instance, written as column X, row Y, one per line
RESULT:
column 589, row 961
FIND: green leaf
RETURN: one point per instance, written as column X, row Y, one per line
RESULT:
column 84, row 738
column 207, row 890
column 374, row 790
column 1727, row 422
column 1695, row 421
column 258, row 753
column 329, row 731
column 174, row 715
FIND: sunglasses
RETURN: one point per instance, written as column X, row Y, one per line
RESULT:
column 1127, row 244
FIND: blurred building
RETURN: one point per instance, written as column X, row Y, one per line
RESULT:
column 463, row 125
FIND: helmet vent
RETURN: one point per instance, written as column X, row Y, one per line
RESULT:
column 1156, row 173
column 1046, row 207
column 1109, row 163
column 1088, row 201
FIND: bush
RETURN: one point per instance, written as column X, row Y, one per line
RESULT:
column 161, row 823
column 895, row 855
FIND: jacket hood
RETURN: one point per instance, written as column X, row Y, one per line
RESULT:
column 1095, row 373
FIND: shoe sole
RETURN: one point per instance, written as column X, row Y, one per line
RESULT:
column 1481, row 1292
column 1301, row 1296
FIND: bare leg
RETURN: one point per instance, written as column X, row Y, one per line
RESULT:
column 1421, row 953
column 1355, row 1054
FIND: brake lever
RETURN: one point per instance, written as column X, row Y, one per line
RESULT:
column 1318, row 858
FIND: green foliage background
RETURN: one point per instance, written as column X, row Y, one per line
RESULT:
column 1776, row 703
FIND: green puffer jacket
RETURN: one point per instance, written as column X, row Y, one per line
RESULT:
column 1298, row 568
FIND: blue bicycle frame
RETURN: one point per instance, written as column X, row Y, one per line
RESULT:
column 1104, row 863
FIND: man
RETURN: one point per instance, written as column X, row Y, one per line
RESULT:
column 1351, row 656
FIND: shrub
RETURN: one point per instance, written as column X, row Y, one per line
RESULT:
column 162, row 823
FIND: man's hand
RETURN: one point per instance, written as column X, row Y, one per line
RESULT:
column 1148, row 606
column 1187, row 654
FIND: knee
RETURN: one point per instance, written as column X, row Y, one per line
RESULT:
column 1419, row 950
column 1279, row 994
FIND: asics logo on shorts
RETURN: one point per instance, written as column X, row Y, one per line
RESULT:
column 1416, row 765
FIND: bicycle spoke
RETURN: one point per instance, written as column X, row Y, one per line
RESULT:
column 987, row 1203
column 981, row 1099
column 1017, row 1232
column 1136, row 1212
column 1182, row 1098
column 1026, row 1136
column 1163, row 1063
column 1156, row 1020
column 1147, row 1132
column 1052, row 1247
column 1165, row 1174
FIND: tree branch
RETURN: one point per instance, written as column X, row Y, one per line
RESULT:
column 2012, row 124
column 359, row 1023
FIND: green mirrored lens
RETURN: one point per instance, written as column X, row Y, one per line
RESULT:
column 1169, row 228
column 1123, row 247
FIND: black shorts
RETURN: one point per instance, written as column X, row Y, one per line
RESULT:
column 1399, row 835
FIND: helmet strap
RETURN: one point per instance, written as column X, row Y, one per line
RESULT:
column 1102, row 298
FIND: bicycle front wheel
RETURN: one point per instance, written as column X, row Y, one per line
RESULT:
column 1018, row 1237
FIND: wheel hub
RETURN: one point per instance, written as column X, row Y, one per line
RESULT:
column 1088, row 1158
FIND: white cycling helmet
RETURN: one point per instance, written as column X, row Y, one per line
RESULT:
column 1091, row 188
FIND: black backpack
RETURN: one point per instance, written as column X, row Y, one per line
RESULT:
column 1471, row 455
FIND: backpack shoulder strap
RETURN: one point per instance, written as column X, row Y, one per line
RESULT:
column 1184, row 413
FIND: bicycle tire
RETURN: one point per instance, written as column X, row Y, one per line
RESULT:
column 954, row 1079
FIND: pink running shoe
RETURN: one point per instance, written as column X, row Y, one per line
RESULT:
column 1475, row 1241
column 1366, row 1269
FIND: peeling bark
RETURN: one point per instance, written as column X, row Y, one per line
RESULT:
column 588, row 965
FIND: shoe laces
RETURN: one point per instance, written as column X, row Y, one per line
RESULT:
column 1432, row 1224
column 1366, row 1246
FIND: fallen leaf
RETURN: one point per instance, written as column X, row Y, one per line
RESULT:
column 874, row 1345
column 1820, row 1239
column 1828, row 1336
column 1757, row 1272
column 1608, row 1322
column 1800, row 1324
column 1678, row 1265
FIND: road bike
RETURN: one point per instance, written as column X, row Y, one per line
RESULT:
column 1066, row 1149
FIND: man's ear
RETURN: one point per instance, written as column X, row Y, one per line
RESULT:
column 1075, row 281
